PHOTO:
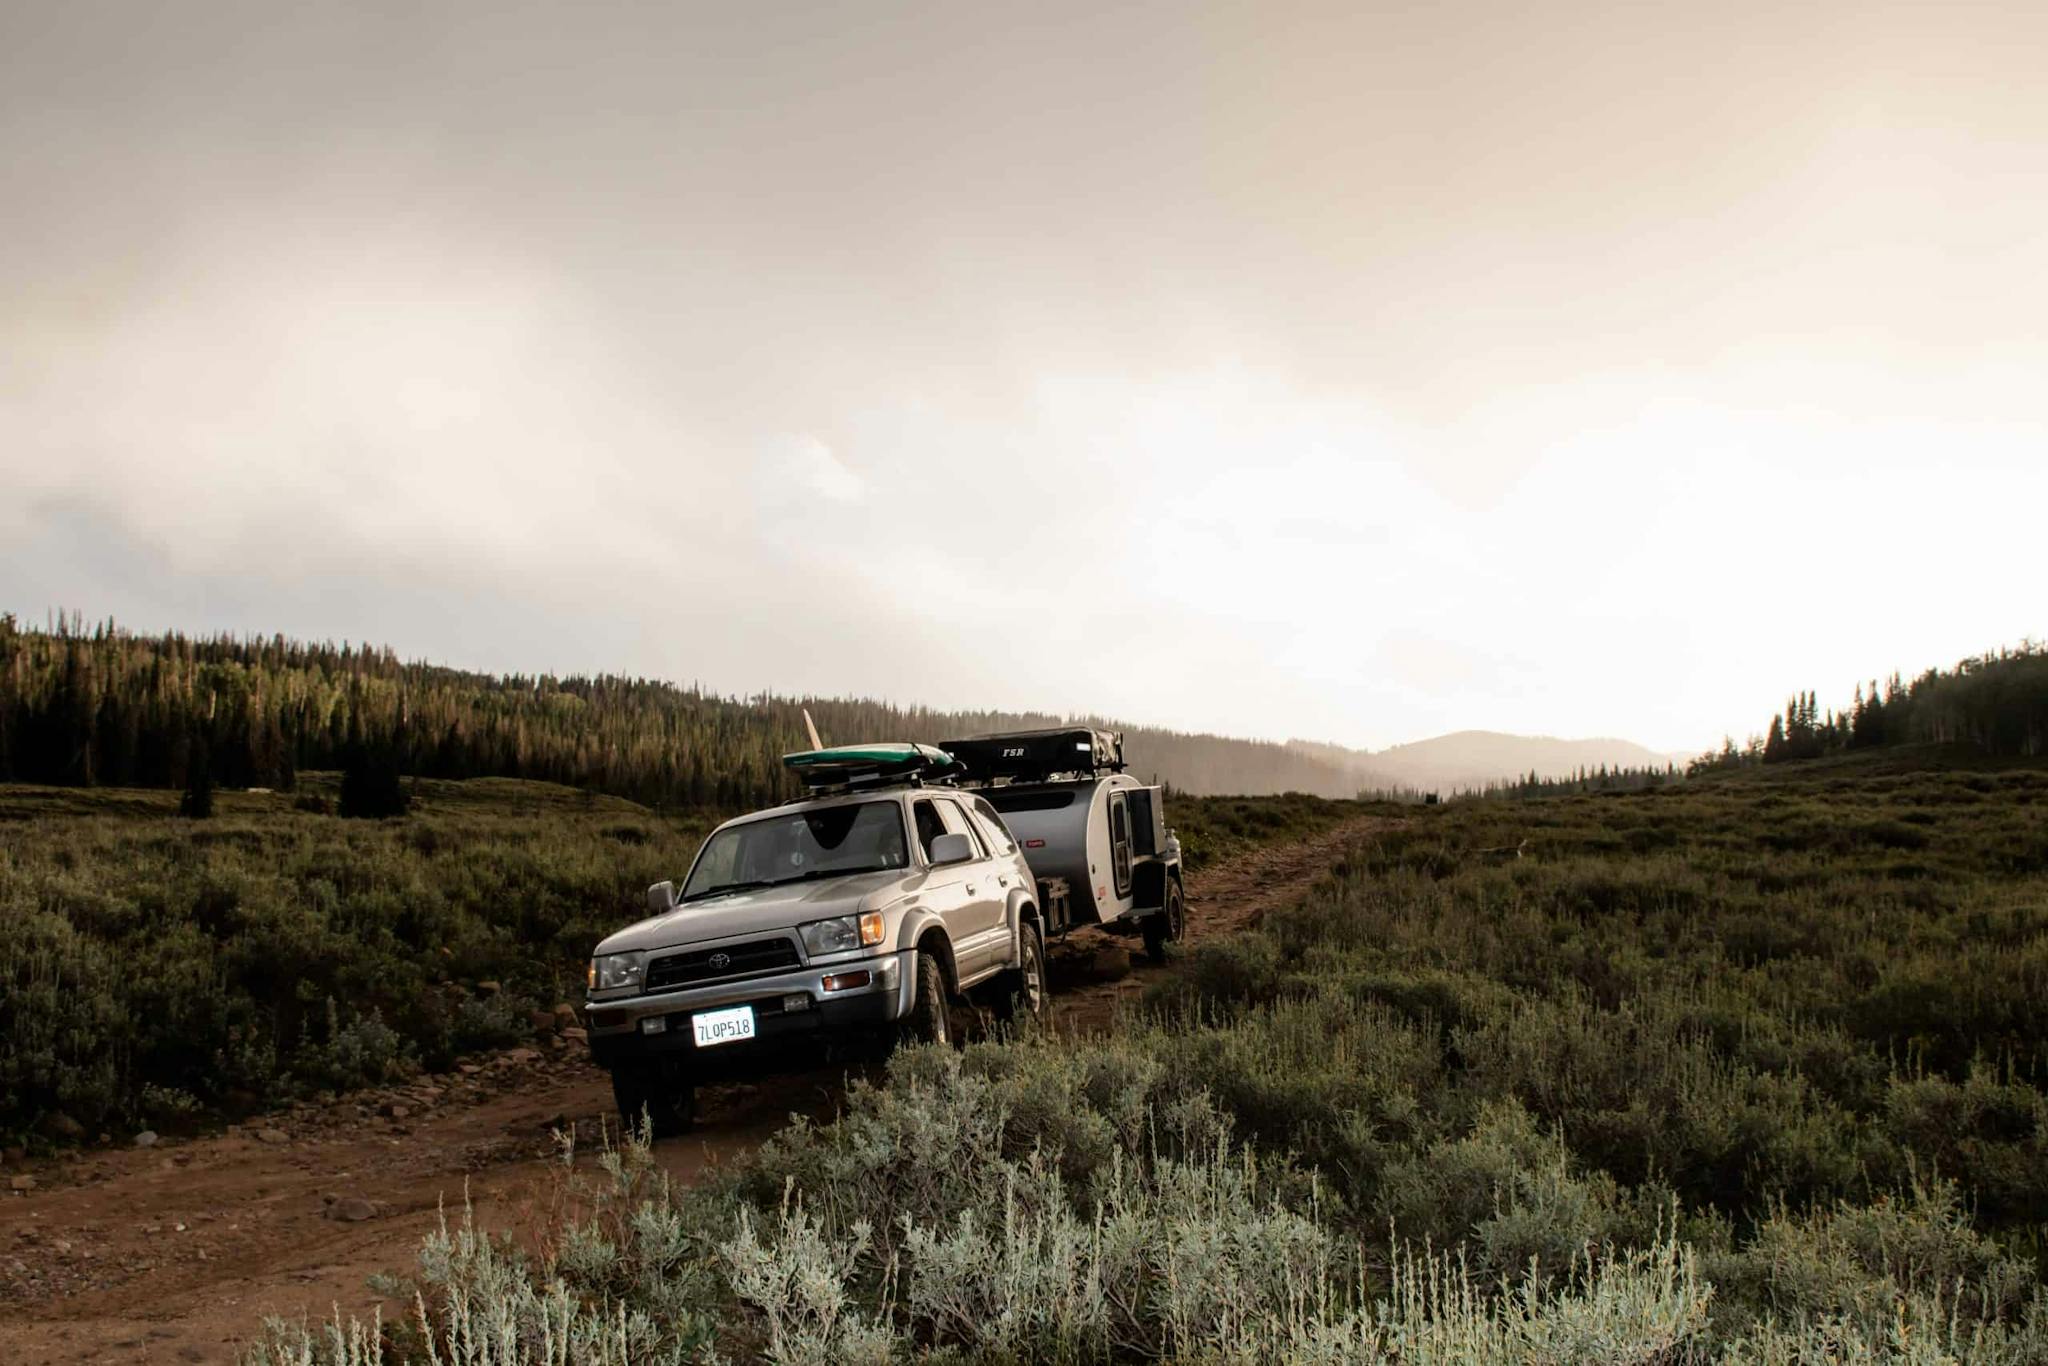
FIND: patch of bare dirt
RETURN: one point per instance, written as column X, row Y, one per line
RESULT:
column 177, row 1251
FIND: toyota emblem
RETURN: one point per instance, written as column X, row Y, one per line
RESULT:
column 721, row 961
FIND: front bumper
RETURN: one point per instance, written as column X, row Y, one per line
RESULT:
column 826, row 1022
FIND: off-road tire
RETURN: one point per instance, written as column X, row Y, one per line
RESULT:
column 652, row 1095
column 928, row 1020
column 1025, row 993
column 1168, row 925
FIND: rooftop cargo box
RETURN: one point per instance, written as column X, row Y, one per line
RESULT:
column 1038, row 755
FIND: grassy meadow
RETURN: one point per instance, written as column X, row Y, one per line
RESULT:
column 160, row 972
column 1748, row 1070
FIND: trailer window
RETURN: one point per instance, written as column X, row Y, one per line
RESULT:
column 1004, row 800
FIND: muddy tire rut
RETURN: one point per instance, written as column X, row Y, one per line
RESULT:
column 178, row 1251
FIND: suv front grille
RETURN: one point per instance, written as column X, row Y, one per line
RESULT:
column 699, row 966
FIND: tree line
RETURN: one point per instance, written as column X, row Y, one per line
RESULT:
column 1995, row 704
column 1603, row 778
column 93, row 704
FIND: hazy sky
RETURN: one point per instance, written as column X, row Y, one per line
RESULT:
column 1351, row 371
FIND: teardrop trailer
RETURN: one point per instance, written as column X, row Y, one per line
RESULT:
column 908, row 879
column 1096, row 838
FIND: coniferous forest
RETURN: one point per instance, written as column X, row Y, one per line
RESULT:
column 1994, row 705
column 98, row 706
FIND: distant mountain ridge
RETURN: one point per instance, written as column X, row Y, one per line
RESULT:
column 1473, row 758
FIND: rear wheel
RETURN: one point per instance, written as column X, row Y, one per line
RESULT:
column 653, row 1095
column 928, row 1021
column 1025, row 995
column 1168, row 925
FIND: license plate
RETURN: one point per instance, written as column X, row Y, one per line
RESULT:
column 723, row 1026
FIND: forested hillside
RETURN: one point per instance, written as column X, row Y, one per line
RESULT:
column 1994, row 704
column 100, row 706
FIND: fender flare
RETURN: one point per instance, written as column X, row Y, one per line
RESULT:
column 1021, row 899
column 912, row 932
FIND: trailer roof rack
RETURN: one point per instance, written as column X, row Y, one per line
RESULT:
column 848, row 767
column 1025, row 756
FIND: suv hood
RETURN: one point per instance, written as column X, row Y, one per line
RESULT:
column 765, row 910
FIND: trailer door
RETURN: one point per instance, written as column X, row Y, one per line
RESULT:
column 1120, row 843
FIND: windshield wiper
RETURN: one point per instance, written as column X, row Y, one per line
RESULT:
column 725, row 889
column 817, row 873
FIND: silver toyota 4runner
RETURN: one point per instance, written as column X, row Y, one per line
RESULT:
column 815, row 930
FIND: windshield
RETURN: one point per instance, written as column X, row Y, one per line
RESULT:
column 859, row 838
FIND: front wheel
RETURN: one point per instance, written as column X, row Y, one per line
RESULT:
column 654, row 1096
column 1167, row 925
column 928, row 1021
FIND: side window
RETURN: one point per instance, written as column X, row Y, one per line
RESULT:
column 1005, row 842
column 957, row 822
column 929, row 827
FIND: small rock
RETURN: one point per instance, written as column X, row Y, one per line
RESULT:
column 489, row 988
column 352, row 1210
column 575, row 1034
column 1112, row 963
column 146, row 1139
column 21, row 1183
column 565, row 1014
column 469, row 1069
column 62, row 1247
column 397, row 1111
column 543, row 1021
column 520, row 1055
column 272, row 1136
column 61, row 1125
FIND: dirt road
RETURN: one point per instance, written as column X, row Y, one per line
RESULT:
column 178, row 1251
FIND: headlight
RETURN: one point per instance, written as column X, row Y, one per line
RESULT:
column 837, row 936
column 617, row 971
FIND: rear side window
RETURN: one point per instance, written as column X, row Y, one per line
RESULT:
column 1005, row 800
column 929, row 826
column 999, row 834
column 957, row 823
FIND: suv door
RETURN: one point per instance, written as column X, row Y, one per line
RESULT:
column 945, row 891
column 987, row 940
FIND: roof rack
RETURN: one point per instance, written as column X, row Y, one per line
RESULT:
column 1039, row 755
column 847, row 767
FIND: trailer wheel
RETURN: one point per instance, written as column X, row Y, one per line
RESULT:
column 928, row 1021
column 653, row 1095
column 1168, row 925
column 1025, row 995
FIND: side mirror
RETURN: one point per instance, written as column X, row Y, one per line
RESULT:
column 661, row 898
column 951, row 847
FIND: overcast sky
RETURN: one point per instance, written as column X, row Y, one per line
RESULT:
column 1355, row 371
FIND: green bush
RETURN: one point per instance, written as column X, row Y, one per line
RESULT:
column 271, row 952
